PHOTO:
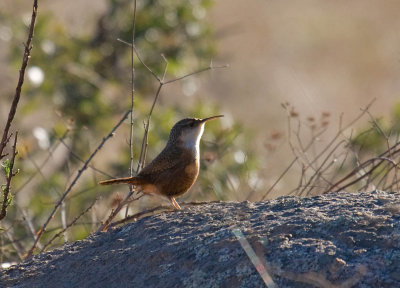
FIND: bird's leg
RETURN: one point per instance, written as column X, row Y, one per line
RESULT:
column 174, row 203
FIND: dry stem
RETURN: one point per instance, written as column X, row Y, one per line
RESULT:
column 11, row 174
column 27, row 52
column 67, row 226
column 84, row 167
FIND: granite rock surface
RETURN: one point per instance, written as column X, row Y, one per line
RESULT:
column 334, row 240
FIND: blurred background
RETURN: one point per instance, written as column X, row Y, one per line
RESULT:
column 314, row 64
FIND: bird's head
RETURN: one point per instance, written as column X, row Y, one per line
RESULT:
column 188, row 131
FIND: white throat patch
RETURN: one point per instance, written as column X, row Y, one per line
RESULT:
column 191, row 139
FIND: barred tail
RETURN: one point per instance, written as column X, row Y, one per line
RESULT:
column 128, row 180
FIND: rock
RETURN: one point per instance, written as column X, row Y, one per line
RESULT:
column 334, row 240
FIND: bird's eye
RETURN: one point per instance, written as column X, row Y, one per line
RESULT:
column 191, row 124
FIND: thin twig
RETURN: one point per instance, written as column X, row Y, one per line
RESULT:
column 165, row 209
column 37, row 167
column 64, row 220
column 84, row 167
column 279, row 178
column 14, row 243
column 73, row 154
column 29, row 224
column 317, row 174
column 145, row 143
column 67, row 226
column 11, row 174
column 196, row 72
column 327, row 152
column 161, row 84
column 132, row 99
column 391, row 151
column 166, row 67
column 50, row 152
column 140, row 214
column 383, row 179
column 17, row 95
column 342, row 129
column 140, row 59
column 356, row 170
column 104, row 225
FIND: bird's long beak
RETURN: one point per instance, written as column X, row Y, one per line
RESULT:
column 210, row 118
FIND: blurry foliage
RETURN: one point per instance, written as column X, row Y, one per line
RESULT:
column 6, row 167
column 375, row 138
column 85, row 89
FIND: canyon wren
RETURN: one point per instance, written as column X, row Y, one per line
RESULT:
column 174, row 171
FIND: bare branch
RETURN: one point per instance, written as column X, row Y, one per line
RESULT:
column 104, row 225
column 141, row 214
column 196, row 72
column 132, row 100
column 143, row 150
column 356, row 170
column 67, row 226
column 50, row 150
column 161, row 84
column 84, row 167
column 73, row 154
column 132, row 90
column 6, row 191
column 17, row 95
column 279, row 179
column 17, row 248
column 317, row 172
column 29, row 224
column 165, row 209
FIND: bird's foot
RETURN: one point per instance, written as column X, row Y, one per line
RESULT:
column 174, row 203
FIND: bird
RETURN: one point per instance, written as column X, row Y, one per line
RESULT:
column 174, row 171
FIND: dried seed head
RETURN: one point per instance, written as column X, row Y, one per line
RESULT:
column 293, row 113
column 270, row 147
column 275, row 135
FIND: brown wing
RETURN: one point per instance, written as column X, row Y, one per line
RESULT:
column 181, row 178
column 166, row 161
column 173, row 171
